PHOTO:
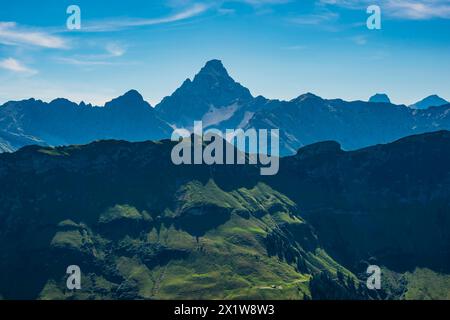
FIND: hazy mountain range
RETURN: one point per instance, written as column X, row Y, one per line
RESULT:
column 62, row 122
column 214, row 97
column 431, row 101
column 142, row 228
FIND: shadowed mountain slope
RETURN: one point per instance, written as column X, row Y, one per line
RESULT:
column 140, row 227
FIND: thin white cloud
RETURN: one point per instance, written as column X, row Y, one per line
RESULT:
column 400, row 9
column 16, row 66
column 218, row 3
column 82, row 62
column 113, row 50
column 422, row 10
column 120, row 24
column 315, row 18
column 265, row 2
column 13, row 34
column 294, row 47
column 360, row 40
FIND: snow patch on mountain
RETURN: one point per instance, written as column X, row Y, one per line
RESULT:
column 216, row 115
column 246, row 119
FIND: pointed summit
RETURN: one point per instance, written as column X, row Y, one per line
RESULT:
column 430, row 101
column 212, row 90
column 130, row 99
column 307, row 96
column 133, row 94
column 214, row 67
column 213, row 75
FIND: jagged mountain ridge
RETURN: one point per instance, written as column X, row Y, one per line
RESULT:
column 220, row 102
column 62, row 122
column 212, row 96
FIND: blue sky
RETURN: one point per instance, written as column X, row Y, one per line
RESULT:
column 276, row 48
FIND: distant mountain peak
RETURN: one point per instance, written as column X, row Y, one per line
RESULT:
column 214, row 67
column 213, row 73
column 61, row 101
column 133, row 94
column 85, row 105
column 380, row 98
column 430, row 101
column 212, row 88
column 307, row 96
column 130, row 98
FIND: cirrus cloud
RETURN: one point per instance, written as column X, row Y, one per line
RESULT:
column 13, row 34
column 110, row 25
column 16, row 66
column 401, row 9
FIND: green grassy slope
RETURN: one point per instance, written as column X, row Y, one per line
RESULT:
column 142, row 228
column 229, row 261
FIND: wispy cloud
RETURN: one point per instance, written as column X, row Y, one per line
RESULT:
column 115, row 49
column 110, row 25
column 423, row 10
column 13, row 34
column 79, row 61
column 112, row 50
column 400, row 9
column 315, row 18
column 294, row 47
column 265, row 2
column 360, row 40
column 16, row 66
column 222, row 6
